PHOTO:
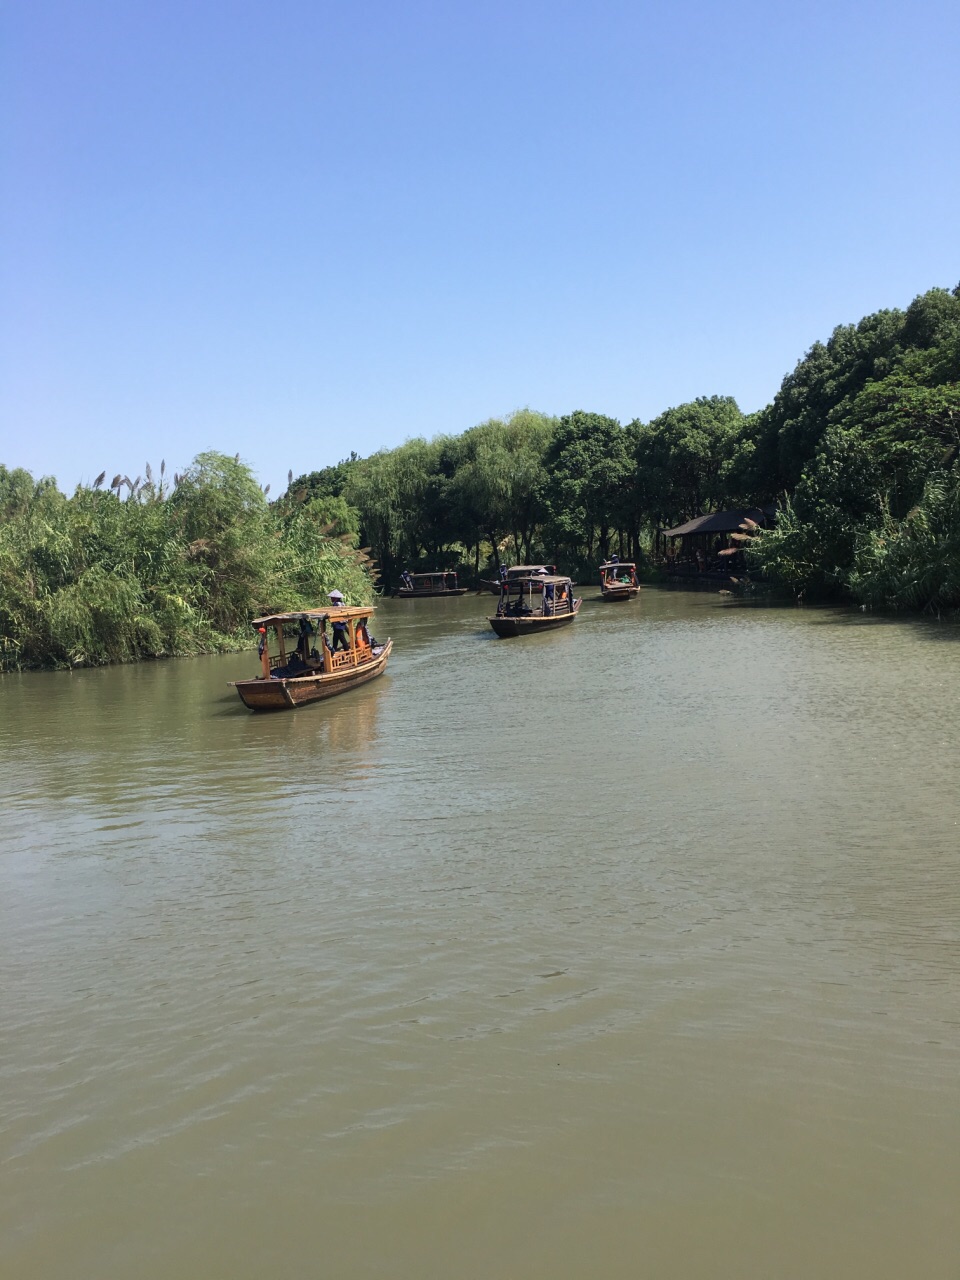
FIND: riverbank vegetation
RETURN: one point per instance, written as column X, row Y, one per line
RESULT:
column 859, row 451
column 157, row 566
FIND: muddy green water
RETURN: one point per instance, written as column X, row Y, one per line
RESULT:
column 628, row 951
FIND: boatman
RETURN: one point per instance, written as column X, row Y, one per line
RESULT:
column 340, row 640
column 339, row 636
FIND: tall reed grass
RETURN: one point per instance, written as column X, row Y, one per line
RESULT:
column 149, row 569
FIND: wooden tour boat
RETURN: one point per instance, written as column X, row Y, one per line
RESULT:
column 516, row 571
column 618, row 580
column 415, row 585
column 536, row 602
column 305, row 667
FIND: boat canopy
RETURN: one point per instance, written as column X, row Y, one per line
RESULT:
column 347, row 612
column 537, row 579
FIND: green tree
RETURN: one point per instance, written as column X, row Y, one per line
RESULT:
column 811, row 549
column 328, row 482
column 587, row 470
column 914, row 563
column 374, row 490
column 312, row 562
column 222, row 518
column 684, row 458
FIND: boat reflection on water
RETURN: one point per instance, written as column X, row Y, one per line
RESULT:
column 351, row 727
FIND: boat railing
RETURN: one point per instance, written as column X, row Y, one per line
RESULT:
column 350, row 657
column 342, row 658
column 525, row 607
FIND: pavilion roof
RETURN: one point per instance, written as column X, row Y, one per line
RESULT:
column 722, row 521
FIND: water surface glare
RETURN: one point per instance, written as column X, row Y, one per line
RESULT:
column 632, row 950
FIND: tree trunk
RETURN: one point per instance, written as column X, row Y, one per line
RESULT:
column 495, row 549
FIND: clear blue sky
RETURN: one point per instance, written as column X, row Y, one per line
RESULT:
column 299, row 229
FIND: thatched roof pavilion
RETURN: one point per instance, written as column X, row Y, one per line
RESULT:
column 694, row 547
column 719, row 522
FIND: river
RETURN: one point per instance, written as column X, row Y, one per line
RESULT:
column 628, row 951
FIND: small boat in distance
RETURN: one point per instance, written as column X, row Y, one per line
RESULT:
column 618, row 580
column 515, row 571
column 304, row 666
column 536, row 602
column 414, row 585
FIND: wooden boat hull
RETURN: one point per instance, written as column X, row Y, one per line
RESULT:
column 506, row 627
column 404, row 593
column 260, row 694
column 619, row 593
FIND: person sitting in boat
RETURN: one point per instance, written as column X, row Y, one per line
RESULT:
column 363, row 635
column 304, row 647
column 294, row 667
column 406, row 579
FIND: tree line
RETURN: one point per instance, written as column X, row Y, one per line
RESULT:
column 858, row 451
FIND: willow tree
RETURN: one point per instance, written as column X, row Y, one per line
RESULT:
column 374, row 489
column 313, row 559
column 222, row 518
column 500, row 480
